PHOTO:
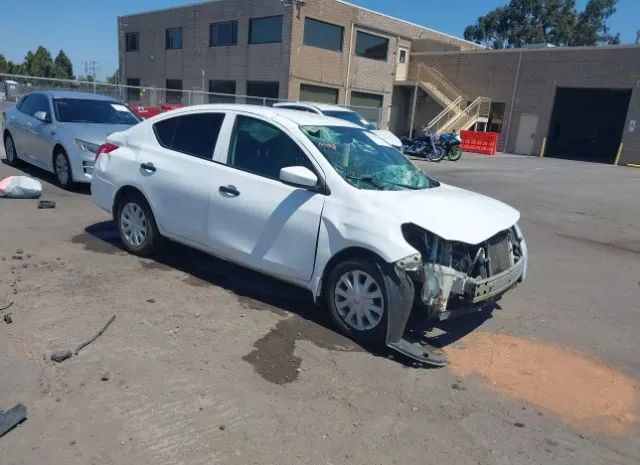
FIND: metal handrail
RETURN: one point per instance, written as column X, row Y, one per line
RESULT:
column 455, row 106
column 480, row 107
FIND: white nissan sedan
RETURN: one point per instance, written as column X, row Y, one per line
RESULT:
column 315, row 201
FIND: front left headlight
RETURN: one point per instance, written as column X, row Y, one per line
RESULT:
column 87, row 146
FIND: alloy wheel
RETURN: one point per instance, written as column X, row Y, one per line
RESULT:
column 359, row 300
column 134, row 225
column 63, row 171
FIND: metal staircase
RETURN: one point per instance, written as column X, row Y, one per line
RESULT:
column 459, row 112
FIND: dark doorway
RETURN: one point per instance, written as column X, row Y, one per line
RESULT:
column 587, row 124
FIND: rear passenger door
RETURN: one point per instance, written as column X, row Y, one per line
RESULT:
column 177, row 171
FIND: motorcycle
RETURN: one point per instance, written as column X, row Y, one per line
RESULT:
column 450, row 142
column 424, row 146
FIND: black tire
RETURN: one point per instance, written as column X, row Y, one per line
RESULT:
column 376, row 335
column 10, row 148
column 455, row 153
column 437, row 154
column 64, row 181
column 152, row 238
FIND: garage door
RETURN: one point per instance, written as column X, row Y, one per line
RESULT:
column 587, row 124
column 368, row 105
column 309, row 93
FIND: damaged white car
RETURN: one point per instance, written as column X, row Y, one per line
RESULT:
column 315, row 201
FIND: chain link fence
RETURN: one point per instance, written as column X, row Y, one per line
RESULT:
column 14, row 87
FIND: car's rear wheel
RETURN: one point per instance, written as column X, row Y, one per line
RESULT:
column 62, row 169
column 10, row 150
column 137, row 225
column 357, row 300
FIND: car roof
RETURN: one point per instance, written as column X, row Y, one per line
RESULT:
column 74, row 94
column 318, row 106
column 294, row 117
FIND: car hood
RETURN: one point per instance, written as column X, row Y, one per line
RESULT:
column 449, row 212
column 90, row 132
column 389, row 137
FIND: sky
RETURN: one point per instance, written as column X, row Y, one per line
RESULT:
column 87, row 29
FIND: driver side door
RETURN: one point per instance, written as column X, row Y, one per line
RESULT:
column 255, row 218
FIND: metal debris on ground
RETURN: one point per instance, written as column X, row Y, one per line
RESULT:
column 12, row 418
column 61, row 355
column 7, row 319
column 98, row 334
column 46, row 204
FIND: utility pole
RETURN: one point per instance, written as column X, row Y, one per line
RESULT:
column 90, row 69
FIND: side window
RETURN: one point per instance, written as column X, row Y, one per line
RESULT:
column 194, row 135
column 28, row 104
column 263, row 149
column 41, row 103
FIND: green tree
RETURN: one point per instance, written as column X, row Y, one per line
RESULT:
column 4, row 64
column 523, row 22
column 63, row 68
column 40, row 63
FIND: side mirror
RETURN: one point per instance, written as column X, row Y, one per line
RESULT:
column 298, row 176
column 42, row 116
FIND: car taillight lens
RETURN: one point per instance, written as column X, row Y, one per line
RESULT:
column 106, row 148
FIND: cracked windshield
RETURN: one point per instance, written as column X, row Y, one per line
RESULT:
column 365, row 161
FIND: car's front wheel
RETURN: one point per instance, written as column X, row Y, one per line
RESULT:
column 137, row 225
column 10, row 150
column 62, row 169
column 357, row 300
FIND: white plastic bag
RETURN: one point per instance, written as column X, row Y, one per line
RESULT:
column 20, row 187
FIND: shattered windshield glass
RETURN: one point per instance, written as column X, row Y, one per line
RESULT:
column 365, row 161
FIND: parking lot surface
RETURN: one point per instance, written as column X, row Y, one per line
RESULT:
column 209, row 363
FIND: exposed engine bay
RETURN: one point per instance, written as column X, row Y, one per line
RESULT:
column 457, row 278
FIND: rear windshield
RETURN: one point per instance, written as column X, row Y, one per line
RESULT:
column 73, row 110
column 352, row 117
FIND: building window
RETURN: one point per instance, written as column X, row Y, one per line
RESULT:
column 309, row 93
column 173, row 38
column 227, row 88
column 323, row 35
column 131, row 40
column 403, row 57
column 265, row 30
column 173, row 94
column 133, row 93
column 261, row 90
column 370, row 46
column 221, row 34
column 369, row 106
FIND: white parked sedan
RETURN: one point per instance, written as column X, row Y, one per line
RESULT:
column 315, row 201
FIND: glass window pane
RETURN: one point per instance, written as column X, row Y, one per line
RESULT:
column 370, row 46
column 266, row 30
column 175, row 94
column 309, row 93
column 223, row 34
column 323, row 35
column 263, row 149
column 269, row 89
column 222, row 87
column 191, row 134
column 174, row 38
column 131, row 40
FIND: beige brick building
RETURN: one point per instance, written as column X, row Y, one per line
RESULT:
column 580, row 103
column 331, row 64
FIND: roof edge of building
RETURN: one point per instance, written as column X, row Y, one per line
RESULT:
column 532, row 50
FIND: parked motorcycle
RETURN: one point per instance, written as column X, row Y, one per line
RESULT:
column 450, row 142
column 424, row 146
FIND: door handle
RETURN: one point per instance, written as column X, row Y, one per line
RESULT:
column 229, row 190
column 148, row 167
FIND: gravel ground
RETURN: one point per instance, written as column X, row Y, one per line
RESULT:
column 209, row 363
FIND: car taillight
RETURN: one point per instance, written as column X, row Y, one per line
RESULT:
column 106, row 148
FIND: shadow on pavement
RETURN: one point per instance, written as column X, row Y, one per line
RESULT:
column 260, row 292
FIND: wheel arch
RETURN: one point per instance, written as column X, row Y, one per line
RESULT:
column 342, row 256
column 122, row 192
